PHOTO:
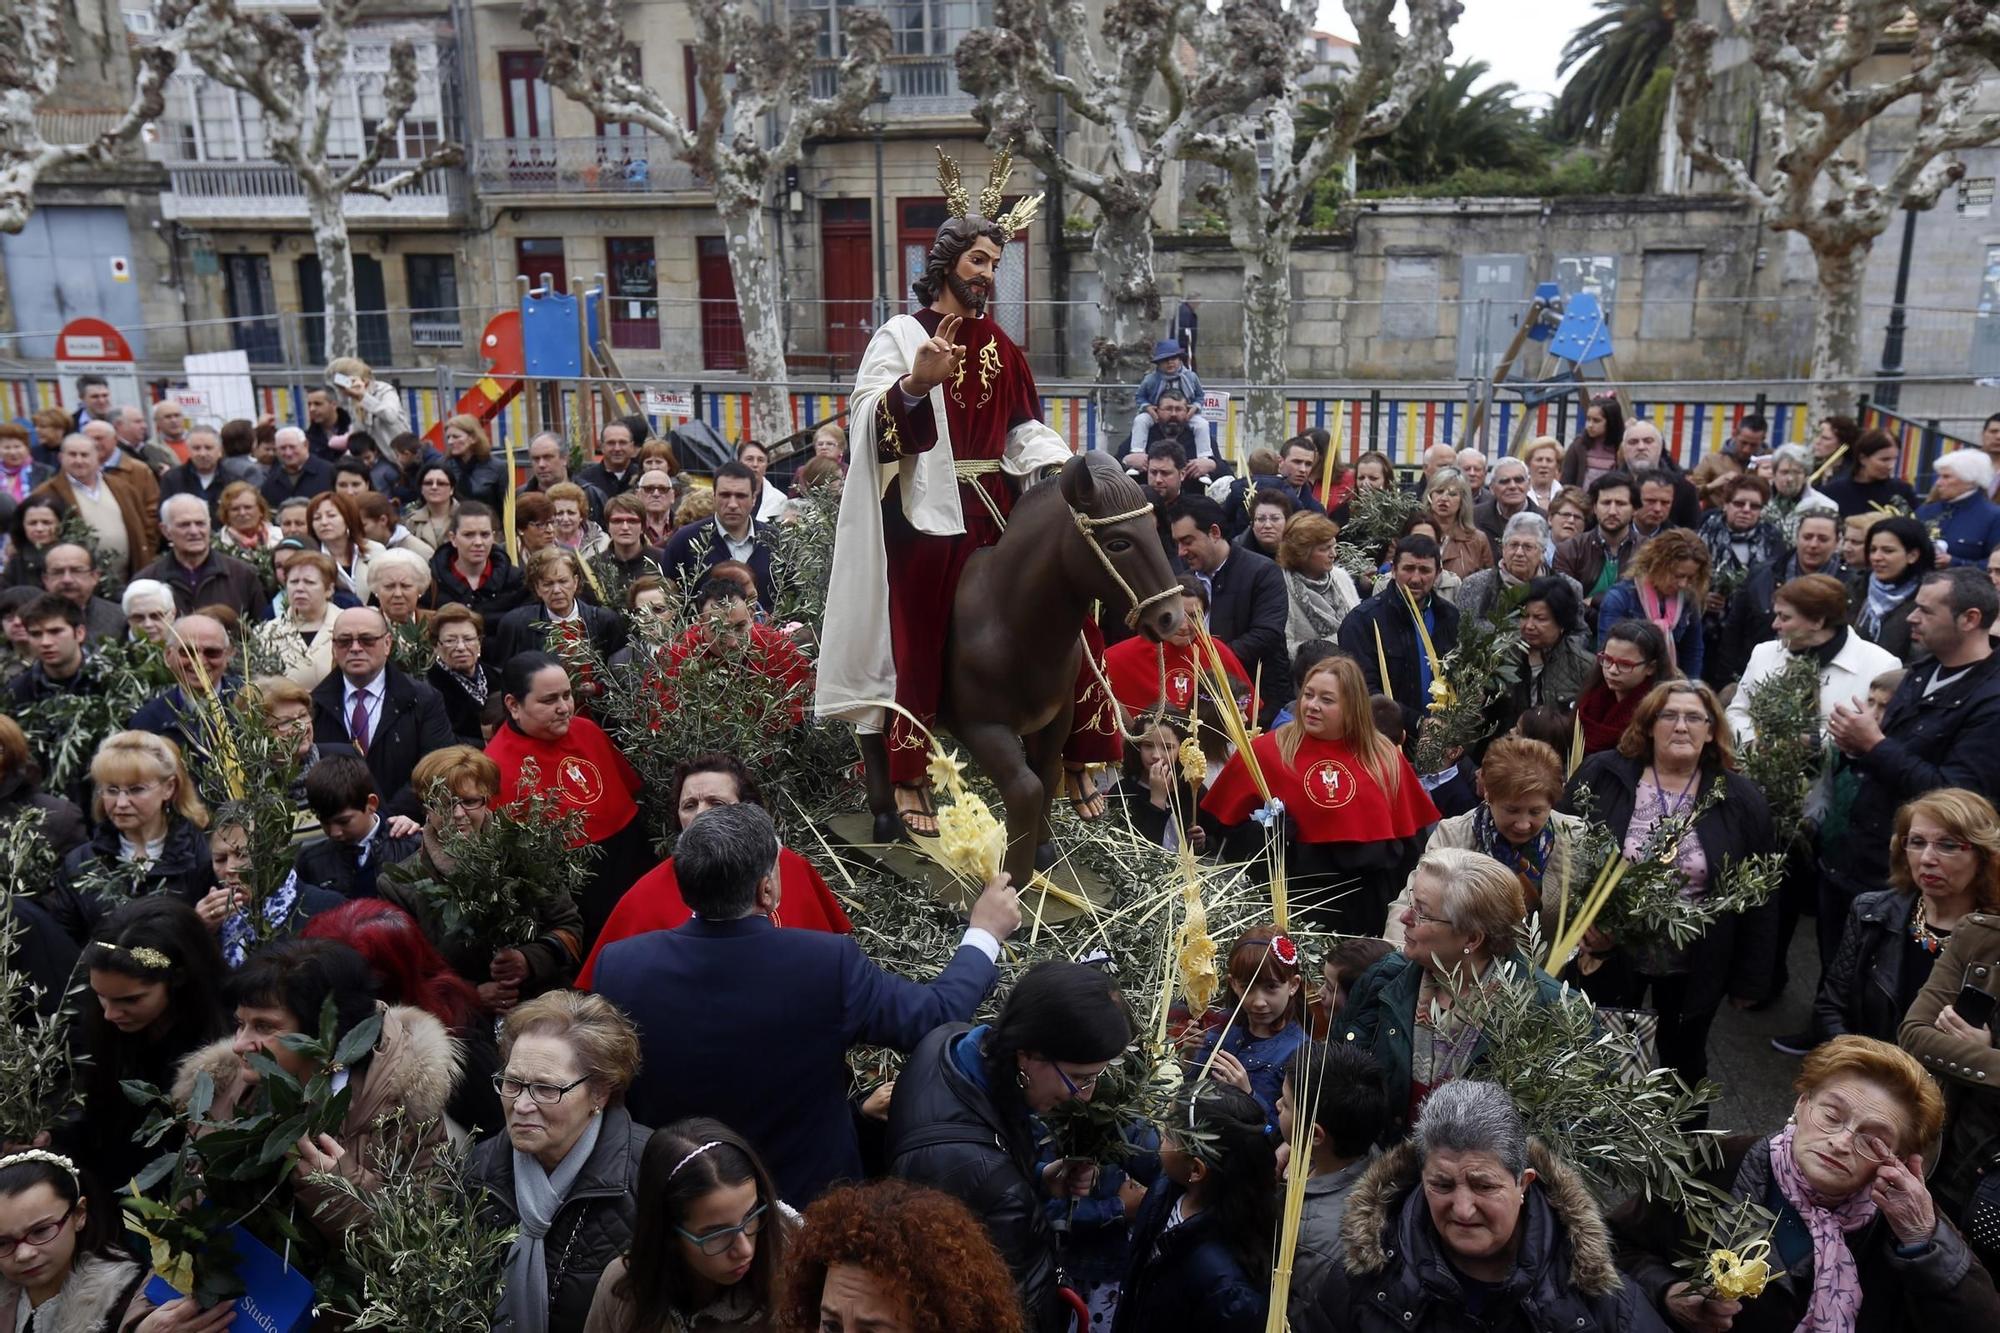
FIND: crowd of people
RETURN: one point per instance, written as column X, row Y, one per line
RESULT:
column 651, row 1080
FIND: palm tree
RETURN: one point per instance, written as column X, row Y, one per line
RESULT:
column 1451, row 128
column 1614, row 56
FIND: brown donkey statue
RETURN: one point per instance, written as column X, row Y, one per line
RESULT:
column 1016, row 647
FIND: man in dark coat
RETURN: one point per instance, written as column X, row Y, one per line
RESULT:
column 1380, row 631
column 196, row 573
column 1247, row 605
column 1941, row 729
column 732, row 534
column 391, row 719
column 768, row 1015
column 298, row 474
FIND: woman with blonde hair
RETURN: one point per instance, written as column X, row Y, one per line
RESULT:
column 1352, row 804
column 374, row 405
column 1666, row 584
column 1677, row 763
column 148, row 838
column 475, row 473
column 1318, row 592
column 1463, row 919
column 1944, row 865
column 1463, row 548
column 299, row 641
column 1544, row 456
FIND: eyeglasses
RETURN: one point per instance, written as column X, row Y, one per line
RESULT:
column 1607, row 661
column 459, row 641
column 1872, row 1141
column 655, row 490
column 1689, row 720
column 135, row 791
column 1077, row 1086
column 545, row 1094
column 1942, row 846
column 717, row 1241
column 39, row 1234
column 1418, row 916
column 469, row 804
column 357, row 640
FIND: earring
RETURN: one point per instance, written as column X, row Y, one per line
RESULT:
column 1021, row 1079
column 1467, row 950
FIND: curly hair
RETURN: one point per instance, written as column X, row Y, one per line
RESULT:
column 1962, row 814
column 954, row 238
column 926, row 1250
column 1668, row 548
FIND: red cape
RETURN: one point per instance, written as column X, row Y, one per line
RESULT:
column 1134, row 671
column 1329, row 795
column 654, row 903
column 585, row 768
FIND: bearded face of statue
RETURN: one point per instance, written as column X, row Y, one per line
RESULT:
column 971, row 279
column 951, row 265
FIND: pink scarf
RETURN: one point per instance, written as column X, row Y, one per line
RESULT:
column 1836, row 1289
column 1663, row 613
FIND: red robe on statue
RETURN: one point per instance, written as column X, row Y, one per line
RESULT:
column 994, row 393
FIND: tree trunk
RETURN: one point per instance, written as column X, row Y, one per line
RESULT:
column 1266, row 251
column 759, row 307
column 1123, row 245
column 1836, row 357
column 336, row 267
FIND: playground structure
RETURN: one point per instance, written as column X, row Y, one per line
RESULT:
column 1577, row 354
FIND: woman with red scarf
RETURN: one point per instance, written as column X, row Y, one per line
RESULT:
column 1353, row 806
column 572, row 757
column 1133, row 665
column 1631, row 661
column 654, row 903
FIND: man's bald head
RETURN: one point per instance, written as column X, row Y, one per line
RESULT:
column 199, row 651
column 1439, row 456
column 101, row 434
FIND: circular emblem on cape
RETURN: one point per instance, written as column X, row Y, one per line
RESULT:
column 1329, row 784
column 1180, row 686
column 580, row 779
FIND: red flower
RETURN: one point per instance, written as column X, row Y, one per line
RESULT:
column 1284, row 950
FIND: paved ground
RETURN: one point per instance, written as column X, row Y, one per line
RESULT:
column 1756, row 1080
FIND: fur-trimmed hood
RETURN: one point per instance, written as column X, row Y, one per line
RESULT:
column 414, row 1068
column 96, row 1298
column 1375, row 1214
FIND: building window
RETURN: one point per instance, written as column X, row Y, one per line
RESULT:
column 1667, row 284
column 919, row 27
column 432, row 282
column 634, row 291
column 527, row 107
column 207, row 122
column 252, row 306
column 1986, row 328
column 721, row 325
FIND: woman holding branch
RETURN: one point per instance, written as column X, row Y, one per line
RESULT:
column 1675, row 766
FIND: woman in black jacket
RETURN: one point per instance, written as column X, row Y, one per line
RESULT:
column 149, row 836
column 963, row 1119
column 1675, row 754
column 475, row 473
column 460, row 675
column 567, row 1170
column 1944, row 864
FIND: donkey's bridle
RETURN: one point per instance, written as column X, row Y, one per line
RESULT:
column 1088, row 526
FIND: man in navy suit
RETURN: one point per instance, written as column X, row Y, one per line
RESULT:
column 751, row 1024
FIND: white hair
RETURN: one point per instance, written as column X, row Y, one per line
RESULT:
column 143, row 591
column 1533, row 524
column 289, row 432
column 1467, row 1116
column 1470, row 456
column 384, row 561
column 1969, row 465
column 180, row 498
column 1509, row 464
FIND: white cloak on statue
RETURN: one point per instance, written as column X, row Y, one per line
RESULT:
column 857, row 668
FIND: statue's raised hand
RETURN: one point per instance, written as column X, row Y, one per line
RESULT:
column 939, row 358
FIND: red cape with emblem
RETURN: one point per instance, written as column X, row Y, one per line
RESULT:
column 1134, row 672
column 1329, row 794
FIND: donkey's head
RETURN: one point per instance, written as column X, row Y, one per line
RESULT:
column 1122, row 561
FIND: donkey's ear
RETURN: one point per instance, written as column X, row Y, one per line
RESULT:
column 1079, row 487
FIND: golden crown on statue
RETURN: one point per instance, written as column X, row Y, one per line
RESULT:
column 959, row 202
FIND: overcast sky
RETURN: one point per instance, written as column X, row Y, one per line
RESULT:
column 1520, row 39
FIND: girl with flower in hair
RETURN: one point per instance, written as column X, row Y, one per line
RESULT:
column 1265, row 1022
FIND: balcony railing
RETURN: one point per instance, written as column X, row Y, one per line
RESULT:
column 436, row 328
column 917, row 85
column 216, row 191
column 613, row 164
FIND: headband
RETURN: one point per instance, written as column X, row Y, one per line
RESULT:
column 144, row 955
column 712, row 1143
column 40, row 1155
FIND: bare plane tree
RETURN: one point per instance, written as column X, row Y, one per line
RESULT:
column 34, row 51
column 1815, row 105
column 298, row 78
column 1271, row 175
column 752, row 73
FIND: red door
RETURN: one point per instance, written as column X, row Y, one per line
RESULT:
column 538, row 255
column 527, row 111
column 721, row 326
column 847, row 258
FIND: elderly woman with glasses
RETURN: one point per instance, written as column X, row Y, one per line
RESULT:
column 567, row 1171
column 1525, row 549
column 1464, row 918
column 1860, row 1242
column 1676, row 762
column 1474, row 1225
